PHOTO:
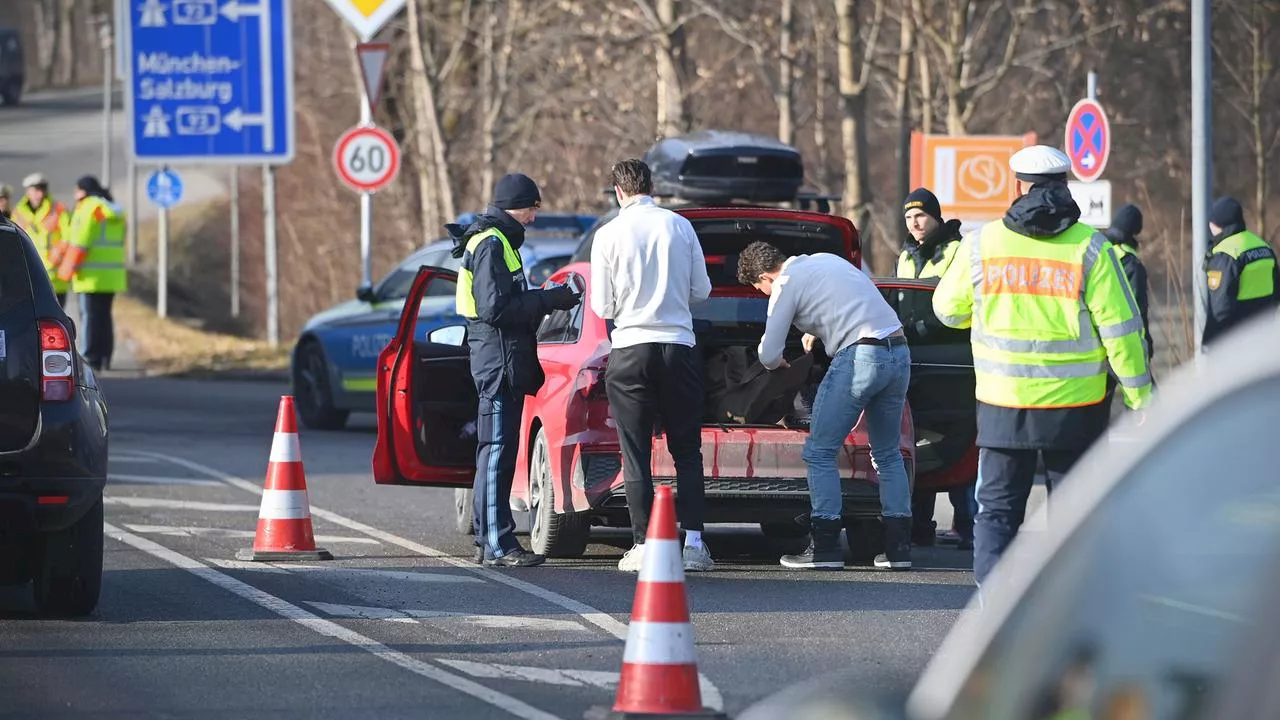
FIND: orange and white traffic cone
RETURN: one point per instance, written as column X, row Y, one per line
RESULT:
column 284, row 518
column 659, row 671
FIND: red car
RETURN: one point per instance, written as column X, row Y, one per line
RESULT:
column 568, row 471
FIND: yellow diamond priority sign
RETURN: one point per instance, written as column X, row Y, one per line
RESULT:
column 366, row 17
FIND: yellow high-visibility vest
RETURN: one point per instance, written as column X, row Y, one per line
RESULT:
column 1046, row 315
column 465, row 298
column 96, row 257
column 1258, row 267
column 931, row 269
column 37, row 222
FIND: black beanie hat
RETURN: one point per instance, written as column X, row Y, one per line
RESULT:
column 926, row 201
column 516, row 191
column 1128, row 220
column 1227, row 213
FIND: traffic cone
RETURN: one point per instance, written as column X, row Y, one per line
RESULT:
column 284, row 518
column 659, row 671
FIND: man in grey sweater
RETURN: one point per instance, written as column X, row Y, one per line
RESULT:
column 827, row 298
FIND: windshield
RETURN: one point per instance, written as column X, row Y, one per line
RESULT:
column 397, row 284
column 1147, row 603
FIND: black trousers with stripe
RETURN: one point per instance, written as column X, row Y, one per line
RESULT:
column 498, row 438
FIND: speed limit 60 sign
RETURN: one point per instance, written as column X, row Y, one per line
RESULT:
column 367, row 158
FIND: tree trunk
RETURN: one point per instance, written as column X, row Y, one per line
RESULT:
column 906, row 44
column 786, row 76
column 853, row 129
column 488, row 99
column 46, row 22
column 925, row 78
column 433, row 168
column 673, row 111
column 957, row 31
column 1258, row 34
column 822, row 81
column 66, row 57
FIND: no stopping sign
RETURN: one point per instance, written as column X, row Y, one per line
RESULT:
column 367, row 158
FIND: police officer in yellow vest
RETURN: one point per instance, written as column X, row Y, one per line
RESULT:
column 94, row 264
column 47, row 222
column 1048, row 307
column 1241, row 271
column 493, row 294
column 933, row 242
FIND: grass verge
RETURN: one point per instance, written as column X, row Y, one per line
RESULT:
column 166, row 347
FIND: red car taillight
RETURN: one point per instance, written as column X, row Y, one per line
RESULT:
column 57, row 380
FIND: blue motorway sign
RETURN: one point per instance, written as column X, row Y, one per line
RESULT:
column 210, row 81
column 164, row 188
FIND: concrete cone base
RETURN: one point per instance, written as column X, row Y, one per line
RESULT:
column 251, row 555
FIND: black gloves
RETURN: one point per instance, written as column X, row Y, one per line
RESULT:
column 563, row 298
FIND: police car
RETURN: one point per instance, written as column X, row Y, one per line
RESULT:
column 333, row 362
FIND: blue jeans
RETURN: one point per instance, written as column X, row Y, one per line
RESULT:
column 862, row 378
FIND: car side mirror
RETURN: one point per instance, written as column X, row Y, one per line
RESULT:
column 365, row 293
column 449, row 335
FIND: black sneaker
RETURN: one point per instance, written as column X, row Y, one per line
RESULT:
column 824, row 551
column 897, row 544
column 516, row 558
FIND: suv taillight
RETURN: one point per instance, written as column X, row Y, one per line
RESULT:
column 57, row 380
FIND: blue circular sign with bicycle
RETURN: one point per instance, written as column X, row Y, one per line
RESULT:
column 164, row 188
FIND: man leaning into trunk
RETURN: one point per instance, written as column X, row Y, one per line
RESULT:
column 646, row 269
column 829, row 299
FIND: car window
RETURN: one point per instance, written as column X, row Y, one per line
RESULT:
column 1147, row 603
column 397, row 284
column 545, row 268
column 921, row 325
column 564, row 326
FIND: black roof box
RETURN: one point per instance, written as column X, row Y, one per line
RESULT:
column 723, row 166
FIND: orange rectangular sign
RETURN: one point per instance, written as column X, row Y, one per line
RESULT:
column 970, row 173
column 1031, row 276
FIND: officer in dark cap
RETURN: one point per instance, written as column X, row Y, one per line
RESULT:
column 494, row 295
column 1123, row 234
column 1240, row 271
column 933, row 243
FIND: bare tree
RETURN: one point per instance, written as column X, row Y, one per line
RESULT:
column 854, row 79
column 767, row 54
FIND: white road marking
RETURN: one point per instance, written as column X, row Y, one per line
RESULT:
column 131, row 459
column 500, row 622
column 357, row 573
column 329, row 628
column 551, row 676
column 711, row 696
column 547, row 676
column 120, row 478
column 187, row 531
column 167, row 504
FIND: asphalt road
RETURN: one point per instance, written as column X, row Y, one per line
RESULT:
column 401, row 623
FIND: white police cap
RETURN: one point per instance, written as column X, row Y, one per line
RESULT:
column 1039, row 161
column 33, row 180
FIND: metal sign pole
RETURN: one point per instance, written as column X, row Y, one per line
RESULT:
column 1201, row 155
column 132, row 220
column 269, row 223
column 366, row 207
column 162, row 259
column 235, row 241
column 107, row 57
column 1092, row 91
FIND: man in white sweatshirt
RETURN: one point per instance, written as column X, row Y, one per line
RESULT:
column 646, row 269
column 826, row 297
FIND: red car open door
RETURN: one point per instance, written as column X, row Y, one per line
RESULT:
column 426, row 400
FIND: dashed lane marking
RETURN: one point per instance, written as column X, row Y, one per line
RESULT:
column 602, row 679
column 711, row 696
column 167, row 504
column 188, row 531
column 412, row 615
column 329, row 628
column 355, row 573
column 122, row 479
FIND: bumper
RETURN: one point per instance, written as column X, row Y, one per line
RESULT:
column 42, row 505
column 734, row 499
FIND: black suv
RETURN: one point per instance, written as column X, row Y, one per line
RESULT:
column 53, row 441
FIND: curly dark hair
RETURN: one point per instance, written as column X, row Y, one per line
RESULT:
column 633, row 176
column 757, row 259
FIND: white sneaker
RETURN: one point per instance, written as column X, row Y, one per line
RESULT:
column 697, row 558
column 632, row 560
